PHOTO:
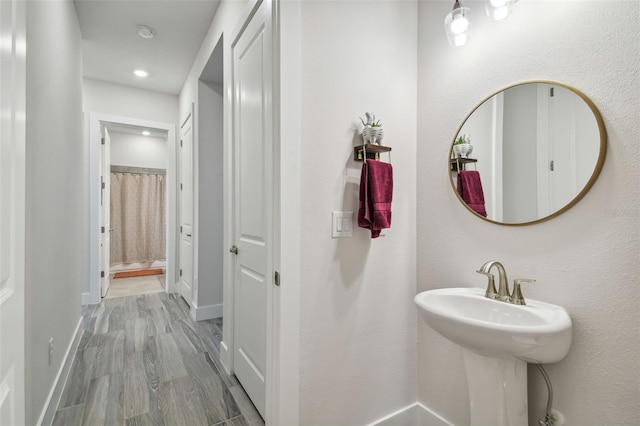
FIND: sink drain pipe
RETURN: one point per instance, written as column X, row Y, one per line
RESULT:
column 548, row 418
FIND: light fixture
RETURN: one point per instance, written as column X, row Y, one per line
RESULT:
column 146, row 32
column 146, row 133
column 498, row 9
column 141, row 73
column 457, row 25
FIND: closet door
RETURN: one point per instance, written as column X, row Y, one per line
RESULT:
column 12, row 212
column 253, row 202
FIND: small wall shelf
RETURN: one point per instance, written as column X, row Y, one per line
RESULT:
column 457, row 162
column 373, row 151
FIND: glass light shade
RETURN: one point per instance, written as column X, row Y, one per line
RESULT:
column 458, row 26
column 498, row 9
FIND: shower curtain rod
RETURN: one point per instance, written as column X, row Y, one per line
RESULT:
column 137, row 170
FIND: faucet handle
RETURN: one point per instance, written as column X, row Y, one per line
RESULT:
column 516, row 297
column 491, row 292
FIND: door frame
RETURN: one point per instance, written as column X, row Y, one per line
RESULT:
column 105, row 211
column 93, row 123
column 283, row 316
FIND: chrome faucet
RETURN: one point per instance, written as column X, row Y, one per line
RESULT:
column 503, row 293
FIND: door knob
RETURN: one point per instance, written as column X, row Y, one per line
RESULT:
column 234, row 249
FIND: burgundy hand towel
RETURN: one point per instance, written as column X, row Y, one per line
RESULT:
column 376, row 192
column 470, row 189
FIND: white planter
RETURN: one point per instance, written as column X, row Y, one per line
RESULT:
column 462, row 150
column 372, row 135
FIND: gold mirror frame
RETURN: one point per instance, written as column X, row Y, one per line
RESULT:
column 585, row 189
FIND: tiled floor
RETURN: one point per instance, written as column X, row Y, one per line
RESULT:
column 121, row 287
column 143, row 361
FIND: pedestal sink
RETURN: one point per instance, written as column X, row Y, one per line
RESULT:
column 498, row 340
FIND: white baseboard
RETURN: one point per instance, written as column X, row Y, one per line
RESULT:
column 87, row 299
column 225, row 357
column 207, row 312
column 415, row 414
column 49, row 410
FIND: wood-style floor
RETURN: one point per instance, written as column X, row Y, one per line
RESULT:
column 134, row 286
column 142, row 360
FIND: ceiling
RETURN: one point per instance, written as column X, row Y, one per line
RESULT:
column 112, row 48
column 136, row 130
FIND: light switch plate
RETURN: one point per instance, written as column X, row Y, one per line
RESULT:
column 341, row 224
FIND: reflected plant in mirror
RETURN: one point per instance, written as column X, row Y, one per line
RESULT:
column 538, row 147
column 462, row 147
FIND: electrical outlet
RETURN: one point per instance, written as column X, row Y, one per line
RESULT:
column 50, row 350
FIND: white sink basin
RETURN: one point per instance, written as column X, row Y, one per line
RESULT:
column 537, row 332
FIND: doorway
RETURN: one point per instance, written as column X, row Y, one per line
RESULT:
column 209, row 202
column 135, row 195
column 125, row 128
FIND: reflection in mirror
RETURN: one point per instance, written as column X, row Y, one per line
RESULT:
column 537, row 148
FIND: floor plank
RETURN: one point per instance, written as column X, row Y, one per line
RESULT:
column 142, row 360
column 109, row 353
column 77, row 386
column 123, row 287
column 94, row 408
column 153, row 418
column 136, row 391
column 220, row 403
column 136, row 335
column 69, row 416
column 170, row 365
column 181, row 404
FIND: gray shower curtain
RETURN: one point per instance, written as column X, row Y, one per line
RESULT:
column 137, row 217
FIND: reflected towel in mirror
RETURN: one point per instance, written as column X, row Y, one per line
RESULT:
column 470, row 189
column 376, row 193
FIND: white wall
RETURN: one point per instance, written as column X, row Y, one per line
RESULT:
column 224, row 22
column 210, row 197
column 57, row 208
column 138, row 150
column 586, row 259
column 117, row 99
column 357, row 316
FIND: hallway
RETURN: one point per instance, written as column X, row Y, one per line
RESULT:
column 142, row 360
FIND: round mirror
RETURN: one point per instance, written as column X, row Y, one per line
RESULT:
column 527, row 153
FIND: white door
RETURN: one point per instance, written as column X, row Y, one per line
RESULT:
column 186, row 209
column 562, row 144
column 12, row 212
column 253, row 226
column 105, row 213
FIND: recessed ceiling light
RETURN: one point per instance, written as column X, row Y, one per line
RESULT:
column 146, row 133
column 141, row 73
column 145, row 32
